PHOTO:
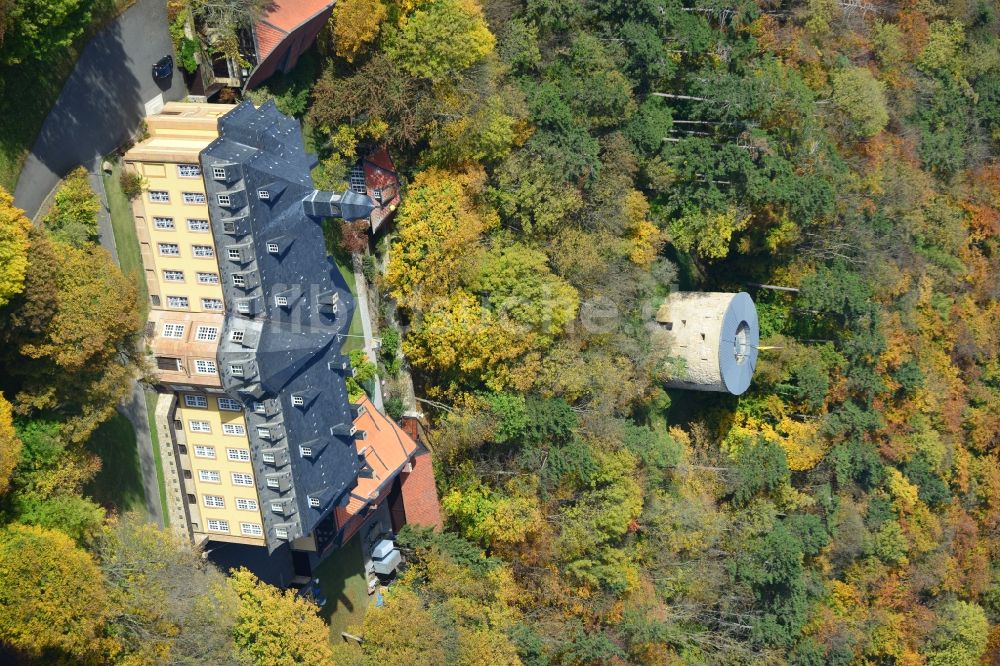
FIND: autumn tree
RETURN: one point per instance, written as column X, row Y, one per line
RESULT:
column 34, row 30
column 10, row 445
column 52, row 593
column 14, row 245
column 165, row 602
column 355, row 24
column 73, row 216
column 439, row 229
column 440, row 39
column 70, row 336
column 861, row 98
column 275, row 628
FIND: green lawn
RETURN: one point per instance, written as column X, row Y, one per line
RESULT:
column 342, row 578
column 40, row 82
column 160, row 479
column 119, row 483
column 123, row 224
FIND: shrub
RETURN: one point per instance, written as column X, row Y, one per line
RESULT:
column 394, row 408
column 131, row 184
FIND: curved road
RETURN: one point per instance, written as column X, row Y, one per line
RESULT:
column 102, row 102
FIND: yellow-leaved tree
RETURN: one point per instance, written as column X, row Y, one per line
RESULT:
column 52, row 595
column 14, row 243
column 355, row 24
column 439, row 229
column 10, row 445
column 275, row 628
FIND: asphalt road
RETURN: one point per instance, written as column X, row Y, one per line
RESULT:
column 102, row 102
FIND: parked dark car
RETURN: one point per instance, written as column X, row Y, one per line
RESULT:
column 163, row 68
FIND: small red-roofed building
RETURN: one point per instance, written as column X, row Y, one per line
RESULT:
column 376, row 176
column 286, row 30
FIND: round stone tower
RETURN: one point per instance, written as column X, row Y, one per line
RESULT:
column 716, row 335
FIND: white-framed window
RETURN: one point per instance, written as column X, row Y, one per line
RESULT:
column 277, row 507
column 204, row 367
column 263, row 432
column 272, row 248
column 198, row 225
column 207, row 333
column 194, row 198
column 236, row 336
column 203, row 251
column 305, row 451
column 281, row 532
column 177, row 301
column 251, row 529
column 169, row 249
column 273, row 484
column 214, row 501
column 164, row 223
column 263, row 195
column 173, row 276
column 211, row 304
column 208, row 278
column 233, row 254
column 201, row 451
column 199, row 426
column 233, row 429
column 216, row 525
column 243, row 307
column 173, row 330
column 236, row 370
column 239, row 280
column 244, row 504
column 209, row 476
column 259, row 408
column 159, row 196
column 314, row 502
column 188, row 170
column 238, row 455
column 267, row 457
column 224, row 200
column 280, row 300
column 230, row 405
column 240, row 479
column 195, row 401
column 219, row 173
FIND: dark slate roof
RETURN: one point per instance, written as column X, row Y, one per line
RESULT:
column 298, row 350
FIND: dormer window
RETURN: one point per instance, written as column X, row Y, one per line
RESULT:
column 281, row 532
column 239, row 280
column 264, row 432
column 218, row 173
column 273, row 483
column 234, row 254
column 263, row 195
column 277, row 508
column 268, row 458
column 314, row 502
column 280, row 301
column 259, row 408
column 377, row 195
column 236, row 370
column 243, row 307
column 298, row 401
column 224, row 200
column 306, row 451
column 272, row 248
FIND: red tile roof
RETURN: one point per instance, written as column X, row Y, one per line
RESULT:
column 420, row 498
column 281, row 18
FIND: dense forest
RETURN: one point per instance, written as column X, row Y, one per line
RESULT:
column 568, row 163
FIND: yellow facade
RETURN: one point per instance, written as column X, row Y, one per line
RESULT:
column 222, row 480
column 207, row 428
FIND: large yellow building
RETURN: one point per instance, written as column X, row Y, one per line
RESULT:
column 210, row 477
column 260, row 442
